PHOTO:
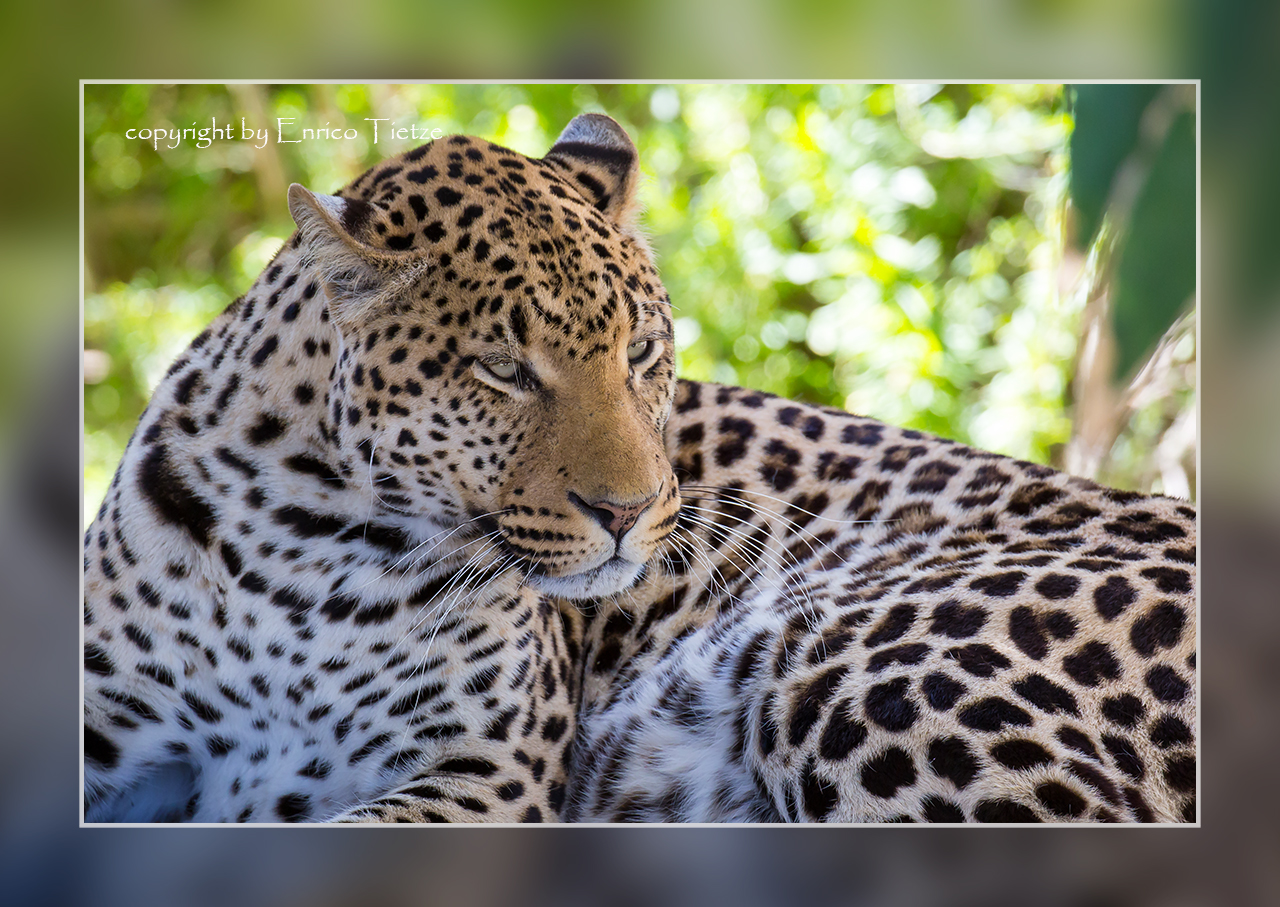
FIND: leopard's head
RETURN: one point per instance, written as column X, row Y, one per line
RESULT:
column 504, row 360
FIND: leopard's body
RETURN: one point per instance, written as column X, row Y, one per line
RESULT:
column 423, row 528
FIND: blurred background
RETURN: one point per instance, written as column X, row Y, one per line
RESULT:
column 1012, row 266
column 1229, row 44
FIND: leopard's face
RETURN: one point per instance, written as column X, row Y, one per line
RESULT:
column 504, row 357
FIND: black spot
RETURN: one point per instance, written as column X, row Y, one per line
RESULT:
column 892, row 769
column 1003, row 811
column 1057, row 586
column 777, row 466
column 309, row 465
column 159, row 673
column 99, row 748
column 267, row 429
column 979, row 659
column 172, row 499
column 186, row 386
column 999, row 585
column 1095, row 779
column 950, row 758
column 897, row 457
column 439, row 731
column 1077, row 741
column 511, row 790
column 1060, row 624
column 941, row 691
column 268, row 347
column 253, row 582
column 218, row 746
column 894, row 625
column 1032, row 497
column 1165, row 683
column 907, row 654
column 1141, row 811
column 1125, row 756
column 1159, row 628
column 1142, row 528
column 447, row 196
column 1060, row 799
column 813, row 428
column 732, row 448
column 245, row 468
column 820, row 795
column 886, row 704
column 139, row 638
column 956, row 620
column 1091, row 664
column 810, row 702
column 865, row 435
column 307, row 524
column 338, row 607
column 1126, row 710
column 1027, row 634
column 768, row 728
column 1169, row 579
column 932, row 477
column 993, row 713
column 554, row 727
column 1169, row 730
column 376, row 613
column 467, row 765
column 294, row 604
column 936, row 809
column 315, row 769
column 932, row 583
column 1180, row 773
column 482, row 680
column 294, row 807
column 1046, row 695
column 1113, row 596
column 205, row 711
column 96, row 661
column 1020, row 754
column 843, row 733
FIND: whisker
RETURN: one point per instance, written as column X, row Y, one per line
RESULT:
column 773, row 559
column 818, row 516
column 443, row 535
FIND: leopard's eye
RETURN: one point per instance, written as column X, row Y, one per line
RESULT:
column 504, row 370
column 639, row 350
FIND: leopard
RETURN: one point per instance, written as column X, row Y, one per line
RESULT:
column 425, row 528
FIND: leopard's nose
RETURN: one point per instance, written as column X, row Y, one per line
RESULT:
column 616, row 518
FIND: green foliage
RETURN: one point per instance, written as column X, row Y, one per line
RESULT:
column 890, row 250
column 1107, row 118
column 1133, row 162
column 1157, row 271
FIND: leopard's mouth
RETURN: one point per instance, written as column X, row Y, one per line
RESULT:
column 613, row 576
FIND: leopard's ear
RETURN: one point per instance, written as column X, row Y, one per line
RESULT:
column 602, row 162
column 358, row 277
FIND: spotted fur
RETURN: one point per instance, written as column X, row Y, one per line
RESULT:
column 423, row 528
column 854, row 623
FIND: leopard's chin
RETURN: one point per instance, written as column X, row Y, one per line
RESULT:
column 613, row 576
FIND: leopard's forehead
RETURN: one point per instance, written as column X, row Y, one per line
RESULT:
column 428, row 199
column 508, row 239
